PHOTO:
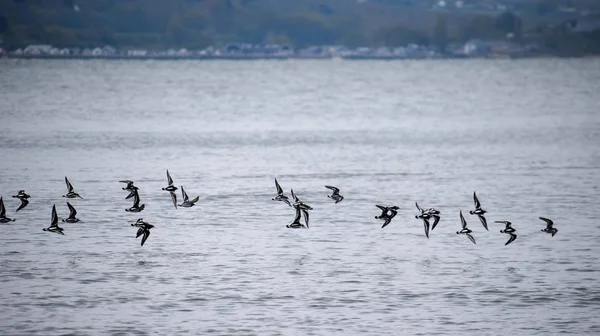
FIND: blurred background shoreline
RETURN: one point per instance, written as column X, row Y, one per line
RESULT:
column 260, row 29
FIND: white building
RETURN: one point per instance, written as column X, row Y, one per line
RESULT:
column 38, row 49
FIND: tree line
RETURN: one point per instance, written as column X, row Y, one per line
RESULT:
column 196, row 24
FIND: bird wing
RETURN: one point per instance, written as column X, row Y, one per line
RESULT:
column 298, row 215
column 476, row 200
column 2, row 208
column 549, row 222
column 72, row 210
column 387, row 221
column 426, row 226
column 296, row 199
column 136, row 199
column 140, row 231
column 145, row 236
column 503, row 222
column 334, row 189
column 184, row 195
column 54, row 221
column 173, row 198
column 131, row 193
column 169, row 179
column 419, row 208
column 511, row 239
column 436, row 220
column 279, row 190
column 305, row 213
column 471, row 238
column 382, row 208
column 306, row 206
column 195, row 200
column 24, row 203
column 463, row 222
column 69, row 185
column 483, row 221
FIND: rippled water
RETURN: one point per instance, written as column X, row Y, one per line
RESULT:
column 524, row 134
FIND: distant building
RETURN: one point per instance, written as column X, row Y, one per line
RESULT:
column 490, row 48
column 109, row 50
column 96, row 52
column 209, row 51
column 400, row 52
column 38, row 49
column 475, row 47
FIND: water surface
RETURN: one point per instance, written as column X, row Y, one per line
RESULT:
column 523, row 134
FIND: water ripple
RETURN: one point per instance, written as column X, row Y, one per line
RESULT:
column 522, row 134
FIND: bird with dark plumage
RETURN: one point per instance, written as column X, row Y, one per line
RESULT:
column 335, row 194
column 509, row 230
column 549, row 226
column 465, row 230
column 479, row 211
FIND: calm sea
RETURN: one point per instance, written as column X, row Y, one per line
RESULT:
column 524, row 134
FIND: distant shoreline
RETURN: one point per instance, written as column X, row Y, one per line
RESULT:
column 281, row 58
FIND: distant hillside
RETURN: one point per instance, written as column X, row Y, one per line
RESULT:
column 195, row 24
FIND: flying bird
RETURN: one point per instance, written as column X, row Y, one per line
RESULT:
column 465, row 230
column 23, row 197
column 335, row 195
column 72, row 214
column 171, row 189
column 280, row 196
column 136, row 203
column 186, row 200
column 509, row 230
column 387, row 214
column 549, row 226
column 425, row 216
column 479, row 211
column 296, row 223
column 54, row 223
column 71, row 192
column 170, row 186
column 143, row 230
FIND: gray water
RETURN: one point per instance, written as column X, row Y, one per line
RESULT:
column 523, row 134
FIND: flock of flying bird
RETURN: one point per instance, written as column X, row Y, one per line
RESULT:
column 302, row 210
column 143, row 227
column 389, row 212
